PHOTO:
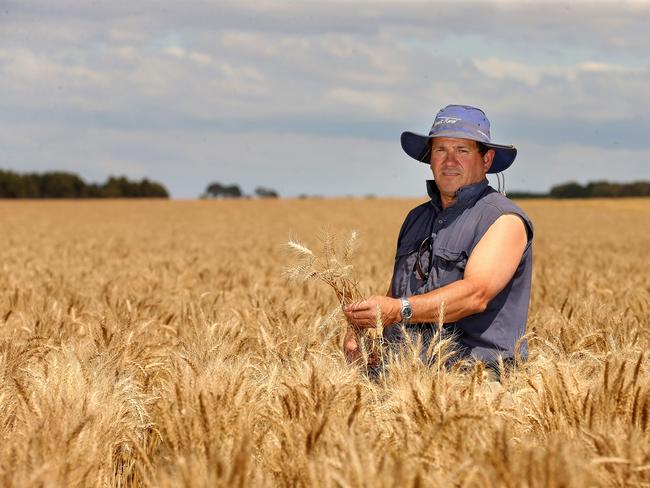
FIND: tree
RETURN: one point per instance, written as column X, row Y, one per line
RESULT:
column 263, row 192
column 605, row 189
column 14, row 185
column 569, row 190
column 638, row 189
column 122, row 187
column 525, row 194
column 217, row 190
column 148, row 188
column 601, row 189
column 115, row 187
column 59, row 184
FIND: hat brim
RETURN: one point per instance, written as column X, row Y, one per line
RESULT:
column 417, row 146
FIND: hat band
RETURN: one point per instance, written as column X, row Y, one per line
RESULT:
column 461, row 132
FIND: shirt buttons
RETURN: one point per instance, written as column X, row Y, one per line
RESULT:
column 440, row 221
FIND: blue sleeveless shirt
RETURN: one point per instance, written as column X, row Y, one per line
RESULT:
column 454, row 232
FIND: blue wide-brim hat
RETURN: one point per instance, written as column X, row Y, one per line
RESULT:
column 463, row 122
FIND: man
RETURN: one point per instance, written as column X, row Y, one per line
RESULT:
column 465, row 253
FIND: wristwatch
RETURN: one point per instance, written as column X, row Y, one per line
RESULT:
column 407, row 311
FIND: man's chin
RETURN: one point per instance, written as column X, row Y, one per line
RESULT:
column 448, row 190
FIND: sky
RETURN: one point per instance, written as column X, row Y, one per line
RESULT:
column 311, row 96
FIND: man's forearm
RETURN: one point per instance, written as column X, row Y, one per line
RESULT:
column 461, row 299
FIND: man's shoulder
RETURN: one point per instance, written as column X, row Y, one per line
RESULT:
column 423, row 211
column 498, row 202
column 494, row 205
column 418, row 222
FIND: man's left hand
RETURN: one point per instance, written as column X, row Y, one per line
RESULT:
column 365, row 313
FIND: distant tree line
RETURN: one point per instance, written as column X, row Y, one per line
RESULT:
column 526, row 194
column 601, row 189
column 219, row 190
column 59, row 184
column 596, row 189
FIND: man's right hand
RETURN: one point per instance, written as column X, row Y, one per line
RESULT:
column 351, row 346
column 365, row 313
column 352, row 349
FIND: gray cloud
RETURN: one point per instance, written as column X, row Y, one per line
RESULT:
column 148, row 88
column 616, row 26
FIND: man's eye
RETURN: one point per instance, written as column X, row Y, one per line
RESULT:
column 463, row 150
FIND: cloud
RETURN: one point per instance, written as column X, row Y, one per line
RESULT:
column 294, row 74
column 381, row 103
column 600, row 67
column 501, row 69
column 199, row 57
column 25, row 67
column 186, row 161
column 175, row 51
column 180, row 53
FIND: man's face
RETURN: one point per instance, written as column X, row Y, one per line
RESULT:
column 456, row 163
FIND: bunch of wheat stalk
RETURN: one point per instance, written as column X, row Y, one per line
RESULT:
column 334, row 267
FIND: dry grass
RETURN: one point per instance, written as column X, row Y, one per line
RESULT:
column 158, row 344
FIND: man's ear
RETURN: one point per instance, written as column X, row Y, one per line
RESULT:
column 488, row 158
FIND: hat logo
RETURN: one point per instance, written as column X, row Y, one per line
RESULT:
column 445, row 120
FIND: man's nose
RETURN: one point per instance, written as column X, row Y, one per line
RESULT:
column 451, row 157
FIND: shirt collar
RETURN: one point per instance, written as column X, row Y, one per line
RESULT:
column 465, row 195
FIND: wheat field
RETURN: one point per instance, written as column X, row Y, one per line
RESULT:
column 158, row 343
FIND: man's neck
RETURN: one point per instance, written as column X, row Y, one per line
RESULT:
column 447, row 201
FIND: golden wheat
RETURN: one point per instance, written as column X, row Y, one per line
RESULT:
column 159, row 344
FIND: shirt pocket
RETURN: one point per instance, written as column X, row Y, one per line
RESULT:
column 449, row 266
column 404, row 263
